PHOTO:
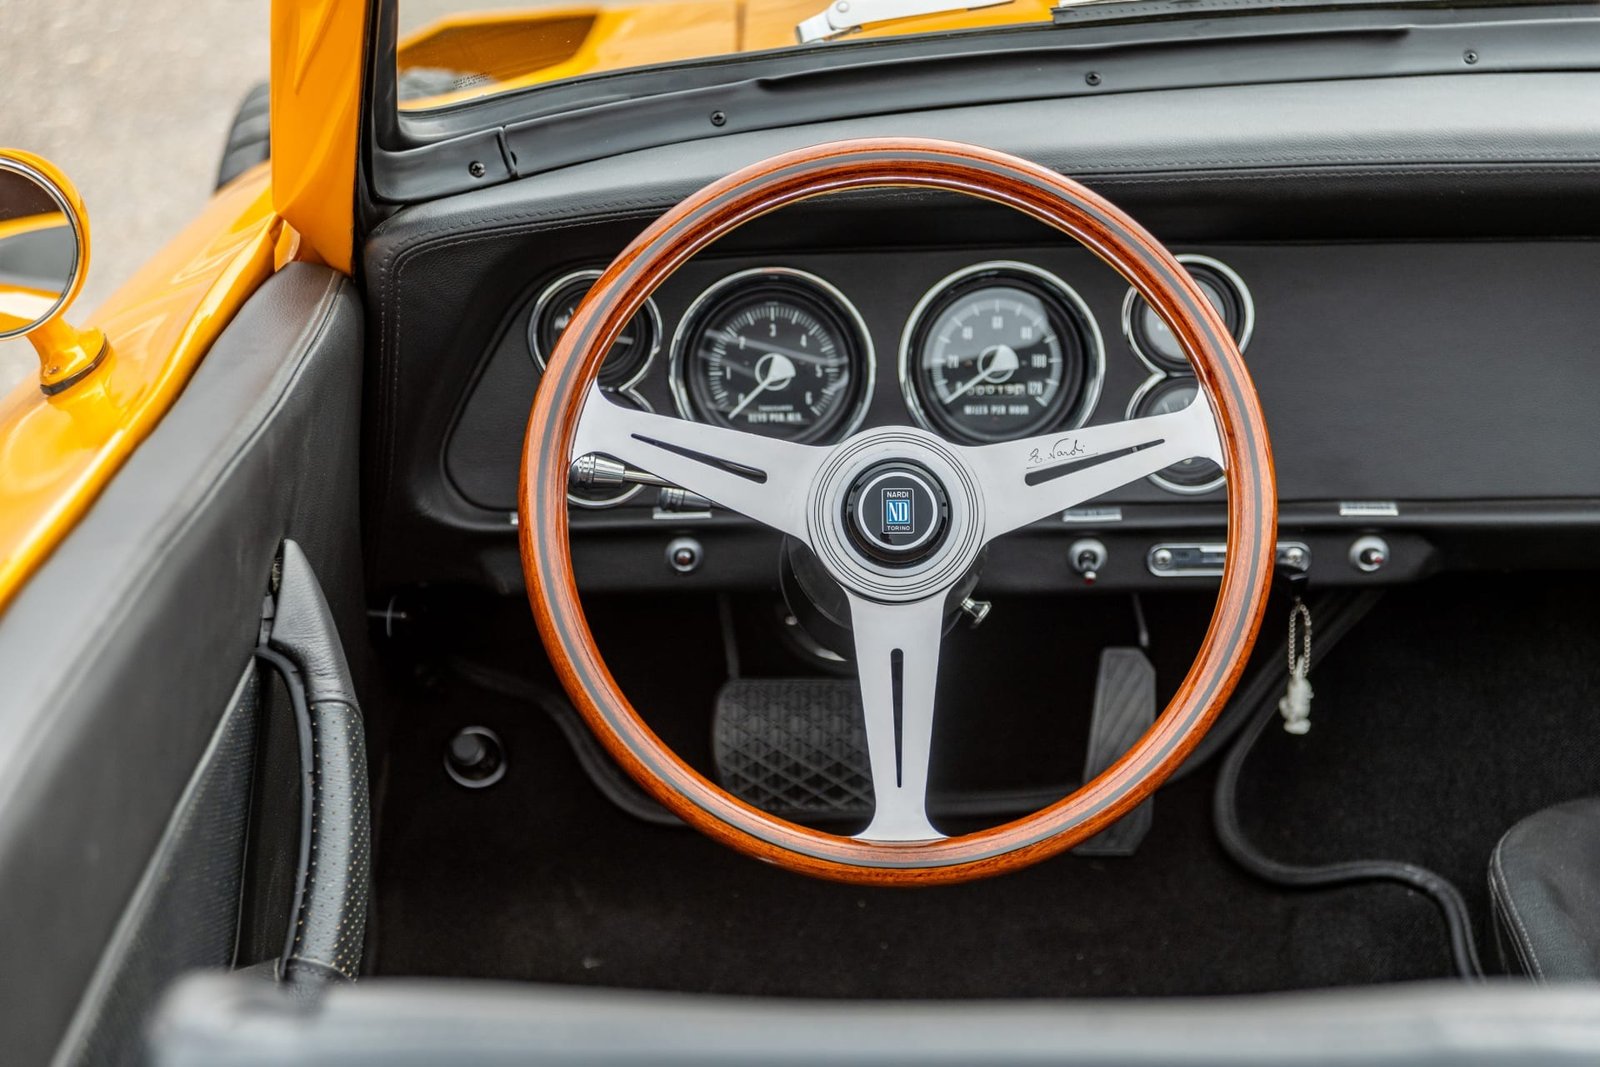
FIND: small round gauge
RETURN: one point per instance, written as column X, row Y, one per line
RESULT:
column 1163, row 396
column 999, row 351
column 1154, row 340
column 774, row 351
column 630, row 353
column 610, row 498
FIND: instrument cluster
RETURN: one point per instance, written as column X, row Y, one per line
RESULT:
column 997, row 350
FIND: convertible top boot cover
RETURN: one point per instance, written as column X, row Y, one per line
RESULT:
column 1544, row 886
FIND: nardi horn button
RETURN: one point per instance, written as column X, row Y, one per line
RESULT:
column 897, row 513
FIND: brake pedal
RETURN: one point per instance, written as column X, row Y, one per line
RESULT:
column 794, row 747
column 1124, row 708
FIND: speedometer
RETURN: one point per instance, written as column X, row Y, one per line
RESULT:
column 774, row 351
column 1000, row 351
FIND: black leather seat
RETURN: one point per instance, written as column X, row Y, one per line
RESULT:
column 1544, row 888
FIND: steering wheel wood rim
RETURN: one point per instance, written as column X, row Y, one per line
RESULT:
column 933, row 165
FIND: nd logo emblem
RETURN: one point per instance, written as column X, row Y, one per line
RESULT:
column 897, row 518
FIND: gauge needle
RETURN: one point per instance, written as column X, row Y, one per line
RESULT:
column 773, row 371
column 994, row 365
column 803, row 357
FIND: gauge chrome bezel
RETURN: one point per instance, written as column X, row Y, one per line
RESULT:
column 1148, row 386
column 1095, row 369
column 631, row 491
column 591, row 275
column 677, row 359
column 1247, row 312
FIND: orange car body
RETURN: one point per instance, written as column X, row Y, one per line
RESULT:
column 58, row 451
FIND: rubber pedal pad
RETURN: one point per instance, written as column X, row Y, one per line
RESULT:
column 1124, row 708
column 793, row 746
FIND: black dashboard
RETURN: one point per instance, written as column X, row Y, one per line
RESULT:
column 1429, row 380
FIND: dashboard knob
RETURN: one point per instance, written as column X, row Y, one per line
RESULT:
column 684, row 555
column 976, row 610
column 475, row 757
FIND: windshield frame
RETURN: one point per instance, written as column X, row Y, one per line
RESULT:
column 411, row 156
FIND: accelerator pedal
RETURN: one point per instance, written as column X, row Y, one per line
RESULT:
column 1124, row 708
column 794, row 747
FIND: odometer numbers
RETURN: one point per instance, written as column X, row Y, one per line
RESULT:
column 1000, row 351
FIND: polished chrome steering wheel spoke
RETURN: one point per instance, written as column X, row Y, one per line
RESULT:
column 897, row 659
column 765, row 479
column 1027, row 480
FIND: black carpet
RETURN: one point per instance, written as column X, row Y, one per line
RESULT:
column 540, row 878
column 1455, row 709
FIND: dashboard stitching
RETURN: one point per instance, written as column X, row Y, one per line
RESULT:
column 1373, row 157
column 1160, row 177
column 1174, row 173
column 389, row 353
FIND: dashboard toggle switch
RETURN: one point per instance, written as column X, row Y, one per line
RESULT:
column 1088, row 556
column 1369, row 554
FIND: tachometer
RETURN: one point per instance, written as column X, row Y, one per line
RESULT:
column 774, row 351
column 999, row 351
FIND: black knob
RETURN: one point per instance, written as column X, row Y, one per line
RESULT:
column 468, row 750
column 475, row 758
column 684, row 555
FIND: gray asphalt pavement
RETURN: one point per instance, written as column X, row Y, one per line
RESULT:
column 132, row 98
column 133, row 101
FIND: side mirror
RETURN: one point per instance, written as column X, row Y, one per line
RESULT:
column 44, row 257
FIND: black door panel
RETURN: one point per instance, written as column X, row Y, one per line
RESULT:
column 120, row 659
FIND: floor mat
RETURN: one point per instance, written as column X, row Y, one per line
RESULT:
column 540, row 879
column 1456, row 708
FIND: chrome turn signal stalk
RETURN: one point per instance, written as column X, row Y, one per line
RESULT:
column 594, row 471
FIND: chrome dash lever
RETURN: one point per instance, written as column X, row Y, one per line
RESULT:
column 594, row 471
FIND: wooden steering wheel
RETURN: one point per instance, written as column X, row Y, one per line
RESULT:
column 897, row 577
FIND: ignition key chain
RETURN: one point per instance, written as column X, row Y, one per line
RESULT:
column 1295, row 707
